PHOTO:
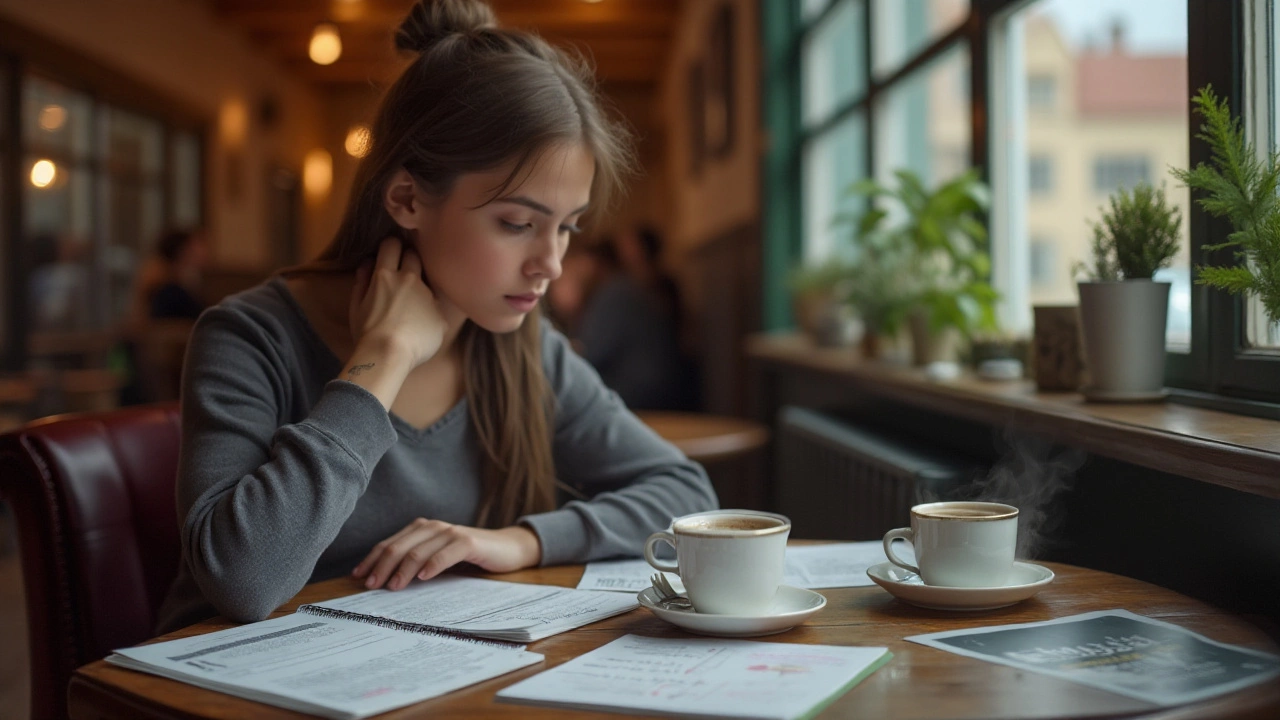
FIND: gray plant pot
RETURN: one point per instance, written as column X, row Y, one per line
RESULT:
column 1123, row 325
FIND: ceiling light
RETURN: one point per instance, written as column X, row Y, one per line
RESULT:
column 326, row 44
column 43, row 173
column 357, row 143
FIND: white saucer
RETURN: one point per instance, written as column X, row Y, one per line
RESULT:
column 1025, row 580
column 791, row 606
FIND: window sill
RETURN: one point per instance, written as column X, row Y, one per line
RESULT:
column 1217, row 447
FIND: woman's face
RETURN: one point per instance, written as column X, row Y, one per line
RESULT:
column 492, row 261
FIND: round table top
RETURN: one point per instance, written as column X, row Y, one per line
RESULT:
column 705, row 437
column 918, row 682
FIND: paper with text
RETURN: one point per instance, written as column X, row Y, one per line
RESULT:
column 808, row 566
column 702, row 677
column 484, row 608
column 328, row 667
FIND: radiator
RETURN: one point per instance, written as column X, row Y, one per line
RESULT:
column 842, row 481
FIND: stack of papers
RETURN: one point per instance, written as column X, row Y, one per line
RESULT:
column 333, row 668
column 474, row 607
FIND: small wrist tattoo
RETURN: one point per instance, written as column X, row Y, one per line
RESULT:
column 357, row 369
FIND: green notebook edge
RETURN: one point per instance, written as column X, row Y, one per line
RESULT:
column 839, row 693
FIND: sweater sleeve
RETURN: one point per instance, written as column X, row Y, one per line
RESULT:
column 259, row 499
column 636, row 481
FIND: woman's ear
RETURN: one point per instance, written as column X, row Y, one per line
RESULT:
column 400, row 197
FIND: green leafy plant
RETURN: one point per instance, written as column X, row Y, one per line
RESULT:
column 1138, row 235
column 1241, row 186
column 929, row 247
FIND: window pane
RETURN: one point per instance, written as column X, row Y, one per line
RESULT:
column 1259, row 333
column 1095, row 98
column 135, row 144
column 905, row 27
column 58, row 248
column 923, row 122
column 810, row 9
column 56, row 121
column 832, row 62
column 832, row 161
column 185, row 182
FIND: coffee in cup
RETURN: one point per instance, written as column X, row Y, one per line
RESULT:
column 959, row 544
column 731, row 561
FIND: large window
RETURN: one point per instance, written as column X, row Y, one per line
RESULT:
column 98, row 184
column 1068, row 102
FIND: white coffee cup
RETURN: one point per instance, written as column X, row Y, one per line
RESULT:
column 730, row 561
column 959, row 544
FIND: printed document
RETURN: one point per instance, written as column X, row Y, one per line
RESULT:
column 808, row 566
column 334, row 668
column 514, row 612
column 1119, row 651
column 702, row 678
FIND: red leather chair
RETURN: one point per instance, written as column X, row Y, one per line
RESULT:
column 93, row 497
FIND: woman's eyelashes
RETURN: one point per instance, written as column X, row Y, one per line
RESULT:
column 521, row 228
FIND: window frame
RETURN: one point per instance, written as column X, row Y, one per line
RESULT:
column 1218, row 370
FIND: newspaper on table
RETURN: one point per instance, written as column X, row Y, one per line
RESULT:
column 808, row 566
column 1119, row 651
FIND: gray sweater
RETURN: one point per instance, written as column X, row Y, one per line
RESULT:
column 287, row 475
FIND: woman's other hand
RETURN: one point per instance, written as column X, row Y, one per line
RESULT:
column 426, row 548
column 392, row 307
column 396, row 321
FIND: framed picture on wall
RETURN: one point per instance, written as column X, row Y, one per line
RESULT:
column 718, row 108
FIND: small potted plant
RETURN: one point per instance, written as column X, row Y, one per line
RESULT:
column 1241, row 186
column 820, row 302
column 940, row 242
column 1122, row 310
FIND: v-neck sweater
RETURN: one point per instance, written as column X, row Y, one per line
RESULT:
column 288, row 476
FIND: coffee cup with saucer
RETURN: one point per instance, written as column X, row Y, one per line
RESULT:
column 964, row 558
column 730, row 563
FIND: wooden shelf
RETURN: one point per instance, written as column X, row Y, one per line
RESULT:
column 1208, row 445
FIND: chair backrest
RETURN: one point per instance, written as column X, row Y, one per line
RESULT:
column 93, row 498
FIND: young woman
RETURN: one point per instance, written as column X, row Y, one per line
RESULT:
column 396, row 408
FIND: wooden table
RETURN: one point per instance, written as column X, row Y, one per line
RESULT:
column 706, row 438
column 919, row 682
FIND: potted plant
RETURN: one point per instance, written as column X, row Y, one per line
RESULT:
column 938, row 242
column 815, row 288
column 1122, row 310
column 1240, row 186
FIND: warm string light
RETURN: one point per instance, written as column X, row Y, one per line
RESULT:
column 357, row 142
column 52, row 117
column 317, row 173
column 326, row 44
column 43, row 173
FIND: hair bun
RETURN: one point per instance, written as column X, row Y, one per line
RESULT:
column 430, row 21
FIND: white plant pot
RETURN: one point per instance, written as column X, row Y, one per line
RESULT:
column 1123, row 326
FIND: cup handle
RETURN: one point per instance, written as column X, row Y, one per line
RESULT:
column 889, row 537
column 649, row 544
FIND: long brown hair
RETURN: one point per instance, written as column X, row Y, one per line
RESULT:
column 478, row 97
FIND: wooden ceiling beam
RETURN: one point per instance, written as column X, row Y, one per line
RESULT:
column 578, row 17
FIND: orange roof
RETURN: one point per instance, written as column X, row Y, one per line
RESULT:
column 1111, row 83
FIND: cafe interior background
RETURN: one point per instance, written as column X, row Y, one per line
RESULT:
column 121, row 119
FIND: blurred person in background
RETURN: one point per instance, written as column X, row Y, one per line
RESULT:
column 164, row 306
column 58, row 285
column 630, row 332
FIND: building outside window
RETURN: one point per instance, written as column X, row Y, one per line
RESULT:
column 1042, row 92
column 1040, row 174
column 1112, row 172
